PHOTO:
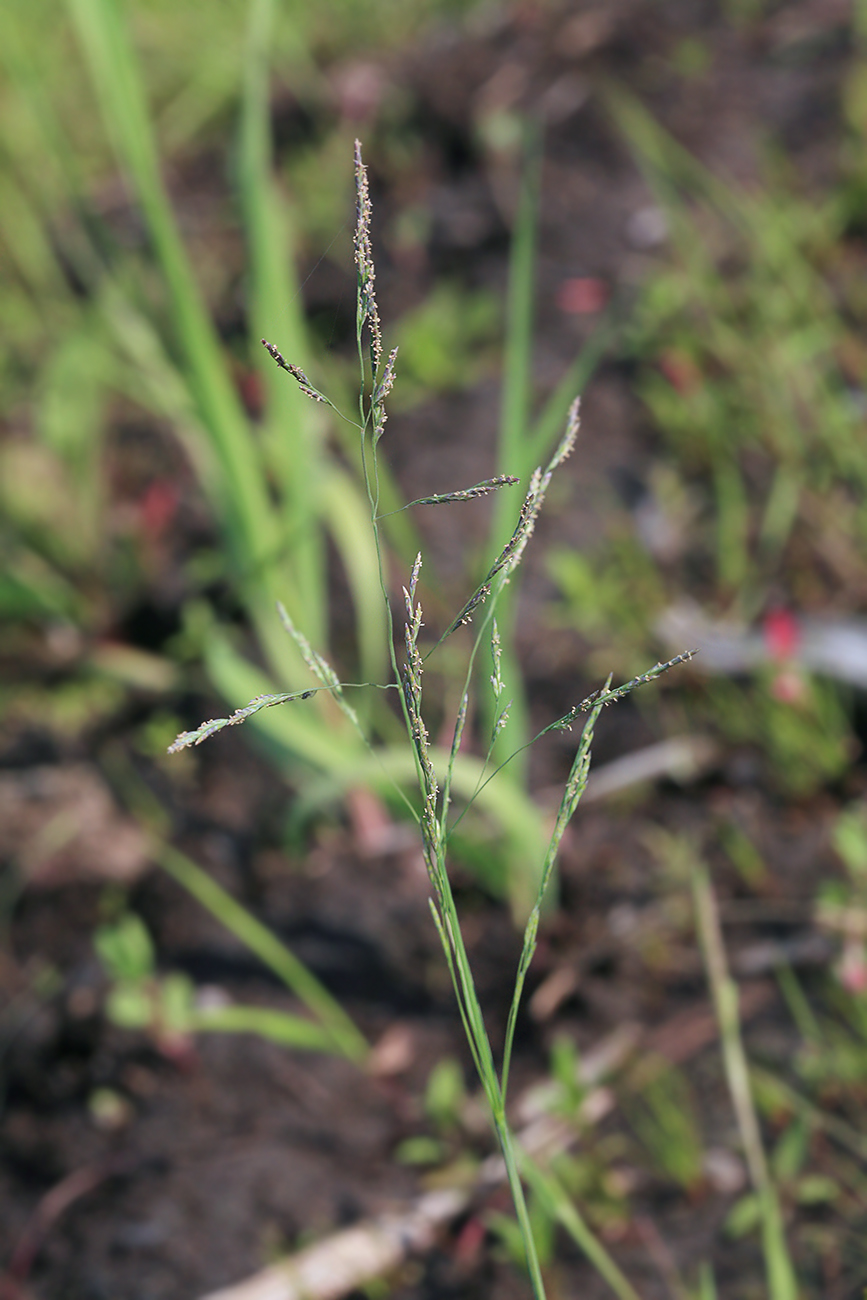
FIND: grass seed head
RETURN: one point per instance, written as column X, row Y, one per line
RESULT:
column 367, row 308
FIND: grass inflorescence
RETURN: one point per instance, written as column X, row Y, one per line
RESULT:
column 377, row 372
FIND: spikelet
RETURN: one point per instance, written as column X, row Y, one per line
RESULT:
column 411, row 687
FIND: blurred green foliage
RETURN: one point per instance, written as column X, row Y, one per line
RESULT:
column 166, row 1006
column 749, row 342
column 118, row 295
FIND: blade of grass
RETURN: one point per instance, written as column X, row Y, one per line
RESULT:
column 782, row 1282
column 518, row 353
column 334, row 1023
column 266, row 1022
column 342, row 1033
column 349, row 525
column 546, row 428
column 313, row 489
column 707, row 1283
column 247, row 511
column 293, row 425
column 522, row 443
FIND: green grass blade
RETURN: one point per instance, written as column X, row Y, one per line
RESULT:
column 516, row 394
column 549, row 424
column 294, row 426
column 707, row 1283
column 348, row 521
column 266, row 1022
column 782, row 1281
column 343, row 1035
column 115, row 74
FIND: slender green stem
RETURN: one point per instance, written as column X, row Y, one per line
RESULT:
column 516, row 1187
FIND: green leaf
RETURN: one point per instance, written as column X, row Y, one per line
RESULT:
column 125, row 949
column 130, row 1006
column 744, row 1217
column 278, row 1026
column 420, row 1151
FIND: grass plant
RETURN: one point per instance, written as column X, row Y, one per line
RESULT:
column 278, row 492
column 437, row 783
column 747, row 368
column 779, row 1270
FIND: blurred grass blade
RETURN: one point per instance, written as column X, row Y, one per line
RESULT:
column 294, row 429
column 706, row 1283
column 266, row 1022
column 516, row 392
column 522, row 444
column 115, row 74
column 549, row 424
column 341, row 1032
column 782, row 1282
column 348, row 520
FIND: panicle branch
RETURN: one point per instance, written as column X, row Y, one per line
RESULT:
column 296, row 372
column 511, row 554
column 411, row 684
column 188, row 738
column 468, row 494
column 606, row 696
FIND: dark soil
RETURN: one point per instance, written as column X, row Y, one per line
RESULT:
column 233, row 1150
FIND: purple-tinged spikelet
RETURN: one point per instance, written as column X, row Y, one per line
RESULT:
column 295, row 371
